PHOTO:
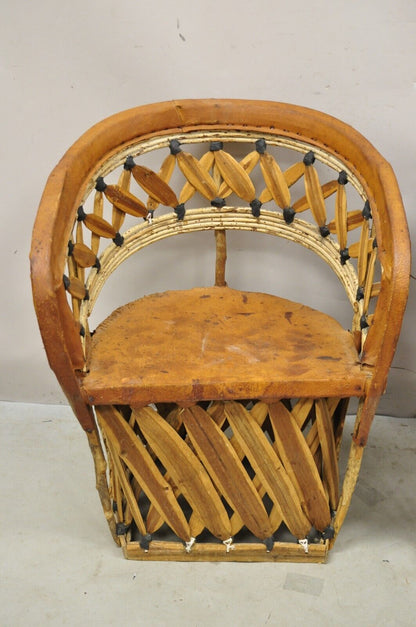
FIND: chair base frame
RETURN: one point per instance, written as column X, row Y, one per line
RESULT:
column 207, row 552
column 123, row 455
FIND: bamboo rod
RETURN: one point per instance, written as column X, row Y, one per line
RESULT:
column 100, row 467
column 221, row 257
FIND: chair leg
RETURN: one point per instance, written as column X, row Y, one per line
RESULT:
column 366, row 412
column 100, row 466
column 348, row 486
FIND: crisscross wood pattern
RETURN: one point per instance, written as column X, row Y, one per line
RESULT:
column 228, row 468
column 215, row 176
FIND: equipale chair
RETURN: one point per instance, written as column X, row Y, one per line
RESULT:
column 215, row 415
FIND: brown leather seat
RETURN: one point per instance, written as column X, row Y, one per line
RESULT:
column 218, row 343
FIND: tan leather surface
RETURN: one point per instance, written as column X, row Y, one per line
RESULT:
column 212, row 343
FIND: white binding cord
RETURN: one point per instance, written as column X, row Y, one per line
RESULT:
column 189, row 545
column 229, row 545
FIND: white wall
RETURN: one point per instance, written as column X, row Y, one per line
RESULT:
column 66, row 65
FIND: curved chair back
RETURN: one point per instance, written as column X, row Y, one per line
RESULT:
column 78, row 238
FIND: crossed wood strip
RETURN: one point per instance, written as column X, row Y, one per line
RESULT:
column 215, row 176
column 207, row 466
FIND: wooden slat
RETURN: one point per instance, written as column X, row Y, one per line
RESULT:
column 363, row 253
column 329, row 453
column 79, row 233
column 354, row 220
column 248, row 163
column 128, row 491
column 217, row 178
column 369, row 278
column 275, row 180
column 98, row 211
column 300, row 465
column 301, row 411
column 155, row 186
column 197, row 175
column 341, row 216
column 268, row 468
column 235, row 175
column 72, row 263
column 165, row 173
column 327, row 190
column 292, row 174
column 134, row 454
column 118, row 216
column 314, row 195
column 154, row 521
column 259, row 412
column 83, row 255
column 125, row 201
column 355, row 251
column 76, row 288
column 99, row 226
column 186, row 470
column 226, row 470
column 188, row 190
column 312, row 440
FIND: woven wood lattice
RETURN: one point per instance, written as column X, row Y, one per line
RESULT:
column 343, row 235
column 225, row 469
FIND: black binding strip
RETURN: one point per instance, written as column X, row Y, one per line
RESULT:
column 269, row 542
column 129, row 163
column 366, row 212
column 255, row 207
column 215, row 146
column 100, row 184
column 289, row 215
column 118, row 239
column 343, row 178
column 345, row 255
column 218, row 202
column 328, row 533
column 145, row 541
column 261, row 146
column 81, row 215
column 309, row 158
column 66, row 281
column 121, row 528
column 180, row 211
column 174, row 147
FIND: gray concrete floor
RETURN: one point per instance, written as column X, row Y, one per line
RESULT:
column 59, row 565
